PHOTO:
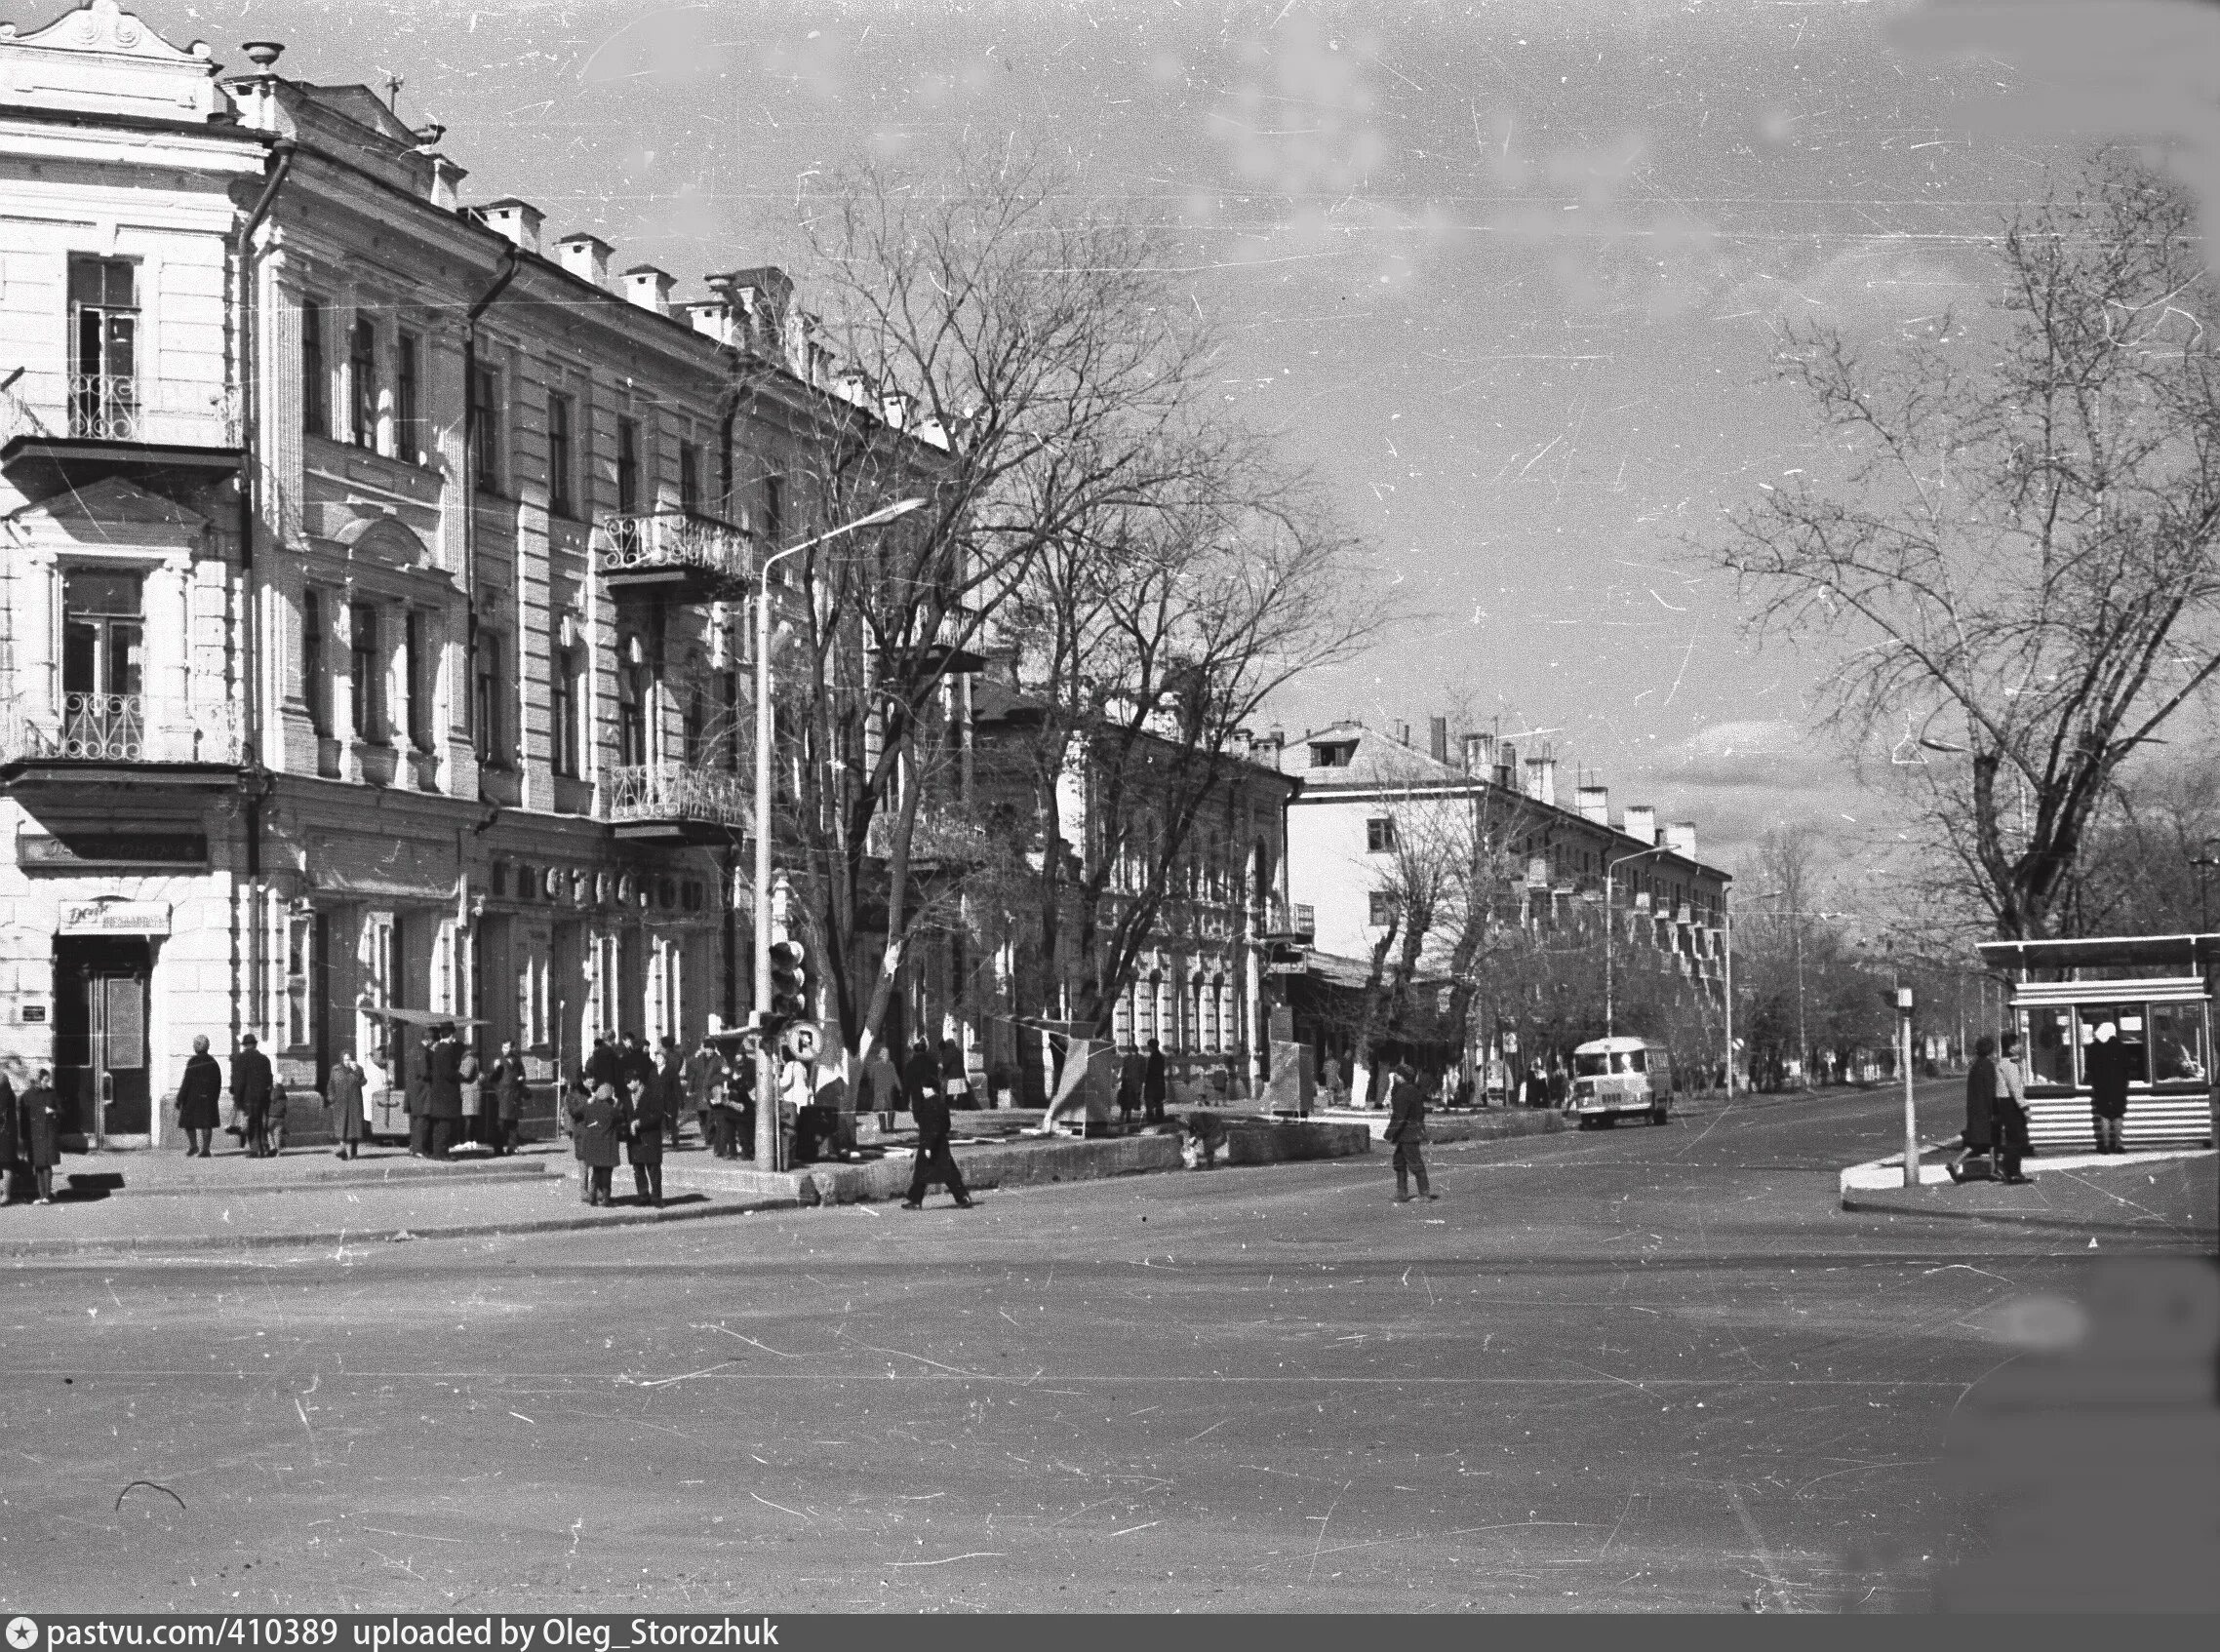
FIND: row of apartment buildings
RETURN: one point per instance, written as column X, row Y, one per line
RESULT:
column 374, row 572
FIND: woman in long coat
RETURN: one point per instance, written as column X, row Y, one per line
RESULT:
column 42, row 1133
column 1980, row 1111
column 200, row 1099
column 600, row 1125
column 470, row 1087
column 342, row 1093
column 509, row 1099
column 2107, row 1062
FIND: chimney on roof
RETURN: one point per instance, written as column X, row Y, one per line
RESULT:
column 1682, row 834
column 585, row 256
column 1402, row 733
column 1438, row 738
column 1541, row 779
column 519, row 220
column 1270, row 744
column 762, row 297
column 650, row 288
column 1596, row 805
column 1479, row 754
column 894, row 408
column 1640, row 822
column 712, row 318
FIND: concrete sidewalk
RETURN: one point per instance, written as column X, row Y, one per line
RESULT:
column 2082, row 1192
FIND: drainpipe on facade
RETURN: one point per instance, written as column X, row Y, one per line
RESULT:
column 256, row 778
column 472, row 413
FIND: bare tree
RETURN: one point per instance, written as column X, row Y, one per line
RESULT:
column 2021, row 539
column 1027, row 367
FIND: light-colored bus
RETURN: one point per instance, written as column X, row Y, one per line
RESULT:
column 1613, row 1079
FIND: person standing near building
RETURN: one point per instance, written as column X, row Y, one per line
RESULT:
column 1132, row 1072
column 41, row 1132
column 955, row 1076
column 702, row 1075
column 2107, row 1063
column 1153, row 1084
column 444, row 1057
column 882, row 1084
column 1407, row 1129
column 637, row 1068
column 9, row 1149
column 1979, row 1135
column 604, row 1066
column 251, row 1095
column 598, row 1126
column 723, row 1088
column 470, row 1086
column 670, row 1075
column 416, row 1091
column 509, row 1095
column 274, row 1119
column 343, row 1095
column 200, row 1099
column 920, row 1077
column 643, row 1143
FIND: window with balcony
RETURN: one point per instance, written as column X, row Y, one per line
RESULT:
column 491, row 703
column 627, row 467
column 1380, row 834
column 102, row 674
column 315, row 379
column 315, row 680
column 407, row 404
column 367, row 668
column 697, row 726
column 103, row 349
column 362, row 383
column 634, row 691
column 689, row 478
column 563, row 706
column 486, row 427
column 562, row 487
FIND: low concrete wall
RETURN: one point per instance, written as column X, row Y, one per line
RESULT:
column 1258, row 1141
column 1028, row 1163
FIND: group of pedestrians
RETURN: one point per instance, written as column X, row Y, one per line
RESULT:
column 1143, row 1082
column 631, row 1100
column 453, row 1098
column 1995, row 1141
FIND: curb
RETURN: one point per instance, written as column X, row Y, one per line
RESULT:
column 351, row 1237
column 413, row 1176
column 2013, row 1218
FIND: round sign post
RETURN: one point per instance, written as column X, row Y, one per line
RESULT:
column 800, row 1041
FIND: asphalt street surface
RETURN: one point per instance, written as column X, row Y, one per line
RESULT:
column 1641, row 1370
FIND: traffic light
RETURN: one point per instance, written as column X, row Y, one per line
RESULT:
column 789, row 996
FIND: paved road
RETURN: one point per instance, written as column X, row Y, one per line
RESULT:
column 1637, row 1369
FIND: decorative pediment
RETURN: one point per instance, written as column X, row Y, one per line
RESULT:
column 103, row 512
column 374, row 536
column 103, row 59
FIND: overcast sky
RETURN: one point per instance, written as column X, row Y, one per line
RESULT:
column 1506, row 274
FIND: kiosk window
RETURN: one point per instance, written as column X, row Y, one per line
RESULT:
column 2177, row 1042
column 2050, row 1042
column 2127, row 1026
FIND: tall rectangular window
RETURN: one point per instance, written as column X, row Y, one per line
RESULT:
column 367, row 669
column 299, row 1001
column 728, row 718
column 486, row 427
column 103, row 349
column 103, row 633
column 561, row 490
column 773, row 512
column 422, row 674
column 407, row 410
column 563, row 712
column 315, row 379
column 689, row 478
column 634, row 691
column 315, row 683
column 493, row 751
column 627, row 467
column 362, row 383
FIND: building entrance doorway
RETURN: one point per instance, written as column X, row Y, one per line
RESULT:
column 100, row 1076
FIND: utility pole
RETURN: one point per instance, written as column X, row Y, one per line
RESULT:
column 1910, row 1119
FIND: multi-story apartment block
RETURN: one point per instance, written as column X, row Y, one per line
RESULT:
column 373, row 576
column 1198, row 987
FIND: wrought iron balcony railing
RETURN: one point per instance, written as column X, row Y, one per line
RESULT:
column 124, row 728
column 661, row 540
column 103, row 407
column 675, row 791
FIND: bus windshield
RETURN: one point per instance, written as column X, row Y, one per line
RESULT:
column 1595, row 1064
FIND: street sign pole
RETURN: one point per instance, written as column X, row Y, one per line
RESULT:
column 1910, row 1119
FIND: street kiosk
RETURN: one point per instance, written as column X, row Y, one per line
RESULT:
column 2157, row 991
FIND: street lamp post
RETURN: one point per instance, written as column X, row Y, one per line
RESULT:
column 1610, row 868
column 769, row 1142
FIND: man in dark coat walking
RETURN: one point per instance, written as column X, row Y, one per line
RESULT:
column 920, row 1077
column 250, row 1094
column 1407, row 1129
column 342, row 1094
column 598, row 1123
column 41, row 1132
column 1153, row 1084
column 200, row 1099
column 1980, row 1134
column 444, row 1059
column 2109, row 1065
column 644, row 1144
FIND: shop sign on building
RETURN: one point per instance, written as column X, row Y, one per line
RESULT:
column 114, row 917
